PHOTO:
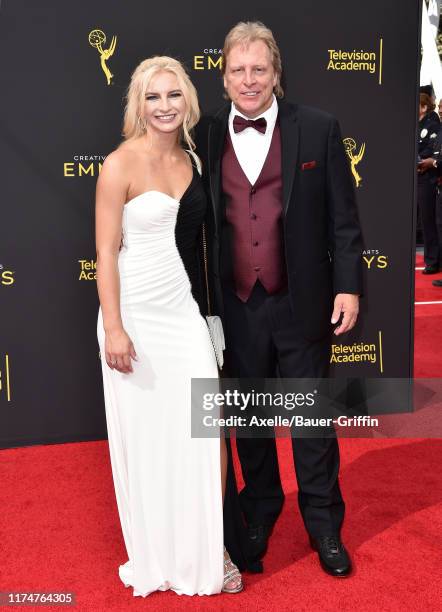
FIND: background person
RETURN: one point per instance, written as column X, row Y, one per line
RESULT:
column 429, row 125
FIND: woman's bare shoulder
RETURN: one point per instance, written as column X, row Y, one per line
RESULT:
column 121, row 158
column 115, row 173
column 119, row 165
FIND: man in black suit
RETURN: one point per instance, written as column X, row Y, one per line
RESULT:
column 286, row 258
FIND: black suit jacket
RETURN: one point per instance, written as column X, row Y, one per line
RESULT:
column 430, row 146
column 322, row 238
column 431, row 124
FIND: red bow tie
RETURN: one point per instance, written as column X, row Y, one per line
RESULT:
column 240, row 124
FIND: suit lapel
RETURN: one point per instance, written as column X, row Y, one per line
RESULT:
column 216, row 139
column 289, row 126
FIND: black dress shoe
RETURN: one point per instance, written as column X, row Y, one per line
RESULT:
column 332, row 555
column 257, row 540
column 437, row 283
column 430, row 270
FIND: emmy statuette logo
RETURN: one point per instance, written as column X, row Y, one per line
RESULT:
column 355, row 158
column 97, row 38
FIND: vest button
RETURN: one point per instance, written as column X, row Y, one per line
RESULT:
column 255, row 243
column 253, row 190
column 253, row 216
column 257, row 268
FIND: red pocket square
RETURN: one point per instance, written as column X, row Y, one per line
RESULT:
column 308, row 165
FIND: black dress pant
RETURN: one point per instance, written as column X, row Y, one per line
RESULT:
column 426, row 197
column 263, row 339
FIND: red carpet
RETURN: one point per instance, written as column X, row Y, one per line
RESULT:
column 428, row 325
column 60, row 529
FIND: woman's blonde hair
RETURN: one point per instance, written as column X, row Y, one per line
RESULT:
column 246, row 32
column 134, row 124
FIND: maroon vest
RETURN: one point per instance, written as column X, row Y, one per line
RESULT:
column 254, row 214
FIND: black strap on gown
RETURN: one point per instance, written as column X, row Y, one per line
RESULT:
column 188, row 237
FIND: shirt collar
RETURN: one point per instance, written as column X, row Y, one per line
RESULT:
column 270, row 115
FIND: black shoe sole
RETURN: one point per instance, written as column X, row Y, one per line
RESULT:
column 331, row 573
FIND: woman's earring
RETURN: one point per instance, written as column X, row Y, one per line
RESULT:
column 142, row 124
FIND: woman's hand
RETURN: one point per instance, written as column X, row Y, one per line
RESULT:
column 119, row 351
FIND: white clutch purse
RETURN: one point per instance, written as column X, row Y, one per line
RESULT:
column 217, row 336
column 214, row 324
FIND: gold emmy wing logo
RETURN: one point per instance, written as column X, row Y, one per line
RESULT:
column 97, row 38
column 350, row 148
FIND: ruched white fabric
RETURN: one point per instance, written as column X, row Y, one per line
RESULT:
column 167, row 484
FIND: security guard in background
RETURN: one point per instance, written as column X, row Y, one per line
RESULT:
column 428, row 89
column 429, row 125
column 432, row 167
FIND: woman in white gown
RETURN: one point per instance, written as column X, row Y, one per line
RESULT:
column 150, row 205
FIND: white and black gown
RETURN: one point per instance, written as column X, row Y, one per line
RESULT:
column 167, row 484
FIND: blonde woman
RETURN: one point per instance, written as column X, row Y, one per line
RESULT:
column 150, row 205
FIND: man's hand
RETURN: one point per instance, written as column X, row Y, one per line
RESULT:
column 348, row 304
column 425, row 165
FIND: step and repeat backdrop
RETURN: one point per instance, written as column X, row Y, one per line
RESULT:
column 64, row 70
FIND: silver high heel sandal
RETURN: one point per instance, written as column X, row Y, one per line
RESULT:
column 230, row 573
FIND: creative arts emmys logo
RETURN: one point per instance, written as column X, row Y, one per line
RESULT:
column 209, row 59
column 374, row 260
column 355, row 158
column 83, row 165
column 97, row 38
column 359, row 352
column 5, row 378
column 6, row 276
column 357, row 61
